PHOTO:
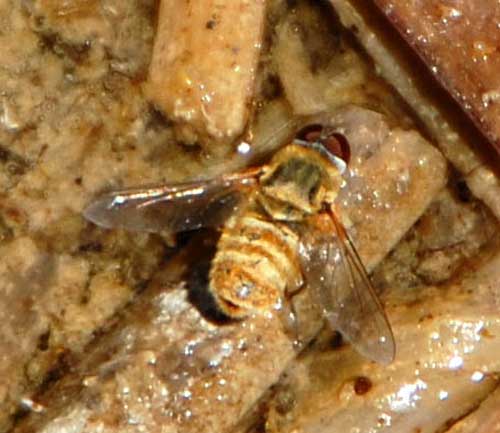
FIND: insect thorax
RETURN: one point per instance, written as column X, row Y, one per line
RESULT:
column 298, row 183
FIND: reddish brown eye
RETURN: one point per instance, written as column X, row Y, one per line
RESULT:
column 313, row 136
column 337, row 145
column 310, row 133
column 334, row 142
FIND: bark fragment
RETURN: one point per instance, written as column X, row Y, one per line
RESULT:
column 204, row 63
column 459, row 41
column 485, row 419
column 462, row 145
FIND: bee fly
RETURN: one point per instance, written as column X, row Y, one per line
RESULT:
column 279, row 231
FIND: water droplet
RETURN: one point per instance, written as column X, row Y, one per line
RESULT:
column 223, row 351
column 148, row 356
column 9, row 118
column 244, row 148
column 490, row 97
column 422, row 161
column 221, row 397
column 189, row 348
column 389, row 8
column 407, row 396
column 226, row 347
column 448, row 13
column 443, row 395
column 242, row 344
column 403, row 182
column 385, row 419
column 132, row 421
column 477, row 376
column 186, row 393
column 32, row 405
column 90, row 381
column 422, row 39
column 455, row 362
column 244, row 290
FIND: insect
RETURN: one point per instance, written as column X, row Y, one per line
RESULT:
column 279, row 232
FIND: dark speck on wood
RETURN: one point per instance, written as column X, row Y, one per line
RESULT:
column 210, row 25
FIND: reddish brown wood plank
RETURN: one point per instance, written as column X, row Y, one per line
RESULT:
column 460, row 42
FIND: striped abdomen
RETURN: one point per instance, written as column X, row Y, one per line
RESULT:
column 255, row 263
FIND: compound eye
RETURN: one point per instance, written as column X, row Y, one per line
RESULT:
column 310, row 133
column 337, row 144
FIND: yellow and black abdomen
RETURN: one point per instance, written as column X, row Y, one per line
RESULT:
column 255, row 263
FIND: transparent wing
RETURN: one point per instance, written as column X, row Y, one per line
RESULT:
column 174, row 207
column 341, row 287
